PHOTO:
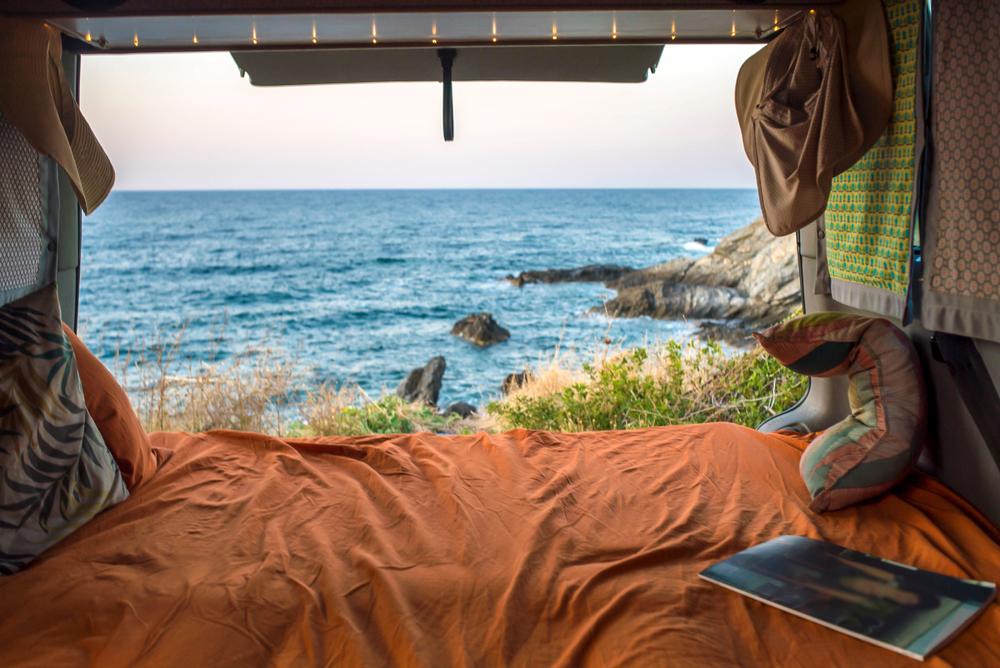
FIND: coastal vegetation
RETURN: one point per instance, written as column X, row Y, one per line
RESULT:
column 267, row 390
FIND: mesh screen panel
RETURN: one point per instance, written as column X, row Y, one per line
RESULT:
column 22, row 237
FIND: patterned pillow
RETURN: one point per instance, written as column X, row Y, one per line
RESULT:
column 55, row 471
column 871, row 450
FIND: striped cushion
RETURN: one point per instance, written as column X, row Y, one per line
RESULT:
column 55, row 471
column 872, row 449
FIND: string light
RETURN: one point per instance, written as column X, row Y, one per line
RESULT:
column 374, row 33
column 554, row 25
column 254, row 32
column 614, row 25
column 136, row 40
column 673, row 28
column 314, row 31
column 494, row 26
column 734, row 23
column 195, row 39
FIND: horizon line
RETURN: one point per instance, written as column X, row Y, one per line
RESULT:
column 414, row 189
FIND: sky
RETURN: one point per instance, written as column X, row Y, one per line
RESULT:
column 189, row 122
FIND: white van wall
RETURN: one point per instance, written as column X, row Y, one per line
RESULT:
column 70, row 221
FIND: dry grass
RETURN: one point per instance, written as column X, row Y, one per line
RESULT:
column 263, row 389
column 252, row 390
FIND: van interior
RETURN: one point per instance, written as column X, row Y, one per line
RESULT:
column 523, row 548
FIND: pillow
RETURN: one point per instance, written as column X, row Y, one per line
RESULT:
column 55, row 471
column 112, row 412
column 871, row 450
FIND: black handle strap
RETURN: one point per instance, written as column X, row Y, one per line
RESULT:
column 447, row 57
column 974, row 384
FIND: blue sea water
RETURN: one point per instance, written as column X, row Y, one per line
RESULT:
column 366, row 285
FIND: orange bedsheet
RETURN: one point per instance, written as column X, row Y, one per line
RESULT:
column 522, row 549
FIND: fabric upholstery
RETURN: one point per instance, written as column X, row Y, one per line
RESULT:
column 56, row 471
column 962, row 236
column 872, row 449
column 112, row 412
column 868, row 221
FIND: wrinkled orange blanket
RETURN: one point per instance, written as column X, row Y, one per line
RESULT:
column 523, row 549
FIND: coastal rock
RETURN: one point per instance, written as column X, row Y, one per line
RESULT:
column 514, row 381
column 481, row 329
column 461, row 409
column 592, row 273
column 672, row 271
column 737, row 337
column 773, row 274
column 665, row 300
column 750, row 279
column 423, row 383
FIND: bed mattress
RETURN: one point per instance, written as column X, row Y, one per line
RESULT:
column 519, row 549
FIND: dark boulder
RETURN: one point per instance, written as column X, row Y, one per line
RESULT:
column 514, row 381
column 481, row 329
column 423, row 383
column 461, row 409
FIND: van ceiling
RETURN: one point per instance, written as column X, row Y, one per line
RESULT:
column 92, row 8
column 233, row 32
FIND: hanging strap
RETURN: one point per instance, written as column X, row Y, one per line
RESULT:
column 447, row 57
column 974, row 385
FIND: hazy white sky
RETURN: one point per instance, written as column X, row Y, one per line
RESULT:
column 189, row 121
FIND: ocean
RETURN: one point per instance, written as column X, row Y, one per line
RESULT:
column 366, row 285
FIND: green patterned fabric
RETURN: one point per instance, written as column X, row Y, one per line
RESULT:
column 55, row 470
column 868, row 218
column 875, row 446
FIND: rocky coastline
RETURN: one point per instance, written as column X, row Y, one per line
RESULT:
column 749, row 281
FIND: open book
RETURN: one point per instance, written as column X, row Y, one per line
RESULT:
column 898, row 607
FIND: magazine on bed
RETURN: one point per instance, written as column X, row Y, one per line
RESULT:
column 891, row 605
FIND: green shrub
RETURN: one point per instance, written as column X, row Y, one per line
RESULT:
column 668, row 384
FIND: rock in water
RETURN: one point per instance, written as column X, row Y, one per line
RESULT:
column 592, row 273
column 481, row 329
column 514, row 381
column 423, row 383
column 461, row 409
